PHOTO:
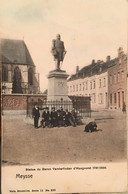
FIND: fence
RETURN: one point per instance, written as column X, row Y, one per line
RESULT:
column 82, row 105
column 24, row 103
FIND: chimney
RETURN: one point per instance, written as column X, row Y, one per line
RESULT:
column 77, row 69
column 93, row 61
column 120, row 52
column 98, row 61
column 108, row 59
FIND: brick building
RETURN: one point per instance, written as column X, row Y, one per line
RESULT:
column 18, row 69
column 117, row 82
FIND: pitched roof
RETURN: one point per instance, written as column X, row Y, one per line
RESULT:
column 15, row 52
column 93, row 69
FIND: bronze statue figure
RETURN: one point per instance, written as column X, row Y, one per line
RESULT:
column 58, row 51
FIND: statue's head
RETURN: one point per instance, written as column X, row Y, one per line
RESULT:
column 58, row 36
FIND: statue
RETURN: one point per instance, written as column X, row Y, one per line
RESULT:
column 58, row 51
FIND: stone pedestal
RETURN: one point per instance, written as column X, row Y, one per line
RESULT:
column 57, row 86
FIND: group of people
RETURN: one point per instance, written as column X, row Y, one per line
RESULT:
column 55, row 118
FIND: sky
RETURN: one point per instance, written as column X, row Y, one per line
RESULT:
column 90, row 29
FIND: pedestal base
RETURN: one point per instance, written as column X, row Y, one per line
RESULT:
column 57, row 86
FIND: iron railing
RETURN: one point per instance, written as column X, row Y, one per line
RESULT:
column 82, row 108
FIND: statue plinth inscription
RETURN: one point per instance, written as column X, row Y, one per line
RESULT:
column 57, row 86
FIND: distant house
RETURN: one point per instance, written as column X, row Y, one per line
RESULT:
column 18, row 69
column 94, row 80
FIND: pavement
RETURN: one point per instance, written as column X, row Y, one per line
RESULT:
column 22, row 144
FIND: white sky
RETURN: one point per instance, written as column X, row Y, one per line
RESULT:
column 90, row 29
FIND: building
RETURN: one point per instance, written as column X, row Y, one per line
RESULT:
column 94, row 81
column 18, row 69
column 117, row 83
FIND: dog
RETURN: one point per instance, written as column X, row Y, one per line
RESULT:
column 91, row 127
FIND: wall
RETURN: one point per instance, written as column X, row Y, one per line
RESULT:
column 14, row 103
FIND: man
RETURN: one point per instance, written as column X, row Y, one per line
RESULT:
column 91, row 127
column 74, row 116
column 58, row 51
column 61, row 117
column 58, row 117
column 67, row 118
column 46, row 117
column 54, row 120
column 36, row 115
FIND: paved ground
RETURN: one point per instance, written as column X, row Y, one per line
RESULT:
column 23, row 144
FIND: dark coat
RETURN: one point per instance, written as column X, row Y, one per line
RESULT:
column 53, row 115
column 90, row 127
column 35, row 112
column 46, row 116
column 58, row 49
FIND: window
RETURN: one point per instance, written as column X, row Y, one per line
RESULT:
column 122, row 75
column 118, row 76
column 119, row 99
column 122, row 96
column 100, row 98
column 104, row 82
column 99, row 83
column 73, row 88
column 115, row 98
column 90, row 85
column 70, row 88
column 80, row 87
column 110, row 98
column 94, row 84
column 83, row 86
column 16, row 88
column 77, row 88
column 114, row 78
column 86, row 85
column 4, row 74
column 110, row 79
column 30, row 76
